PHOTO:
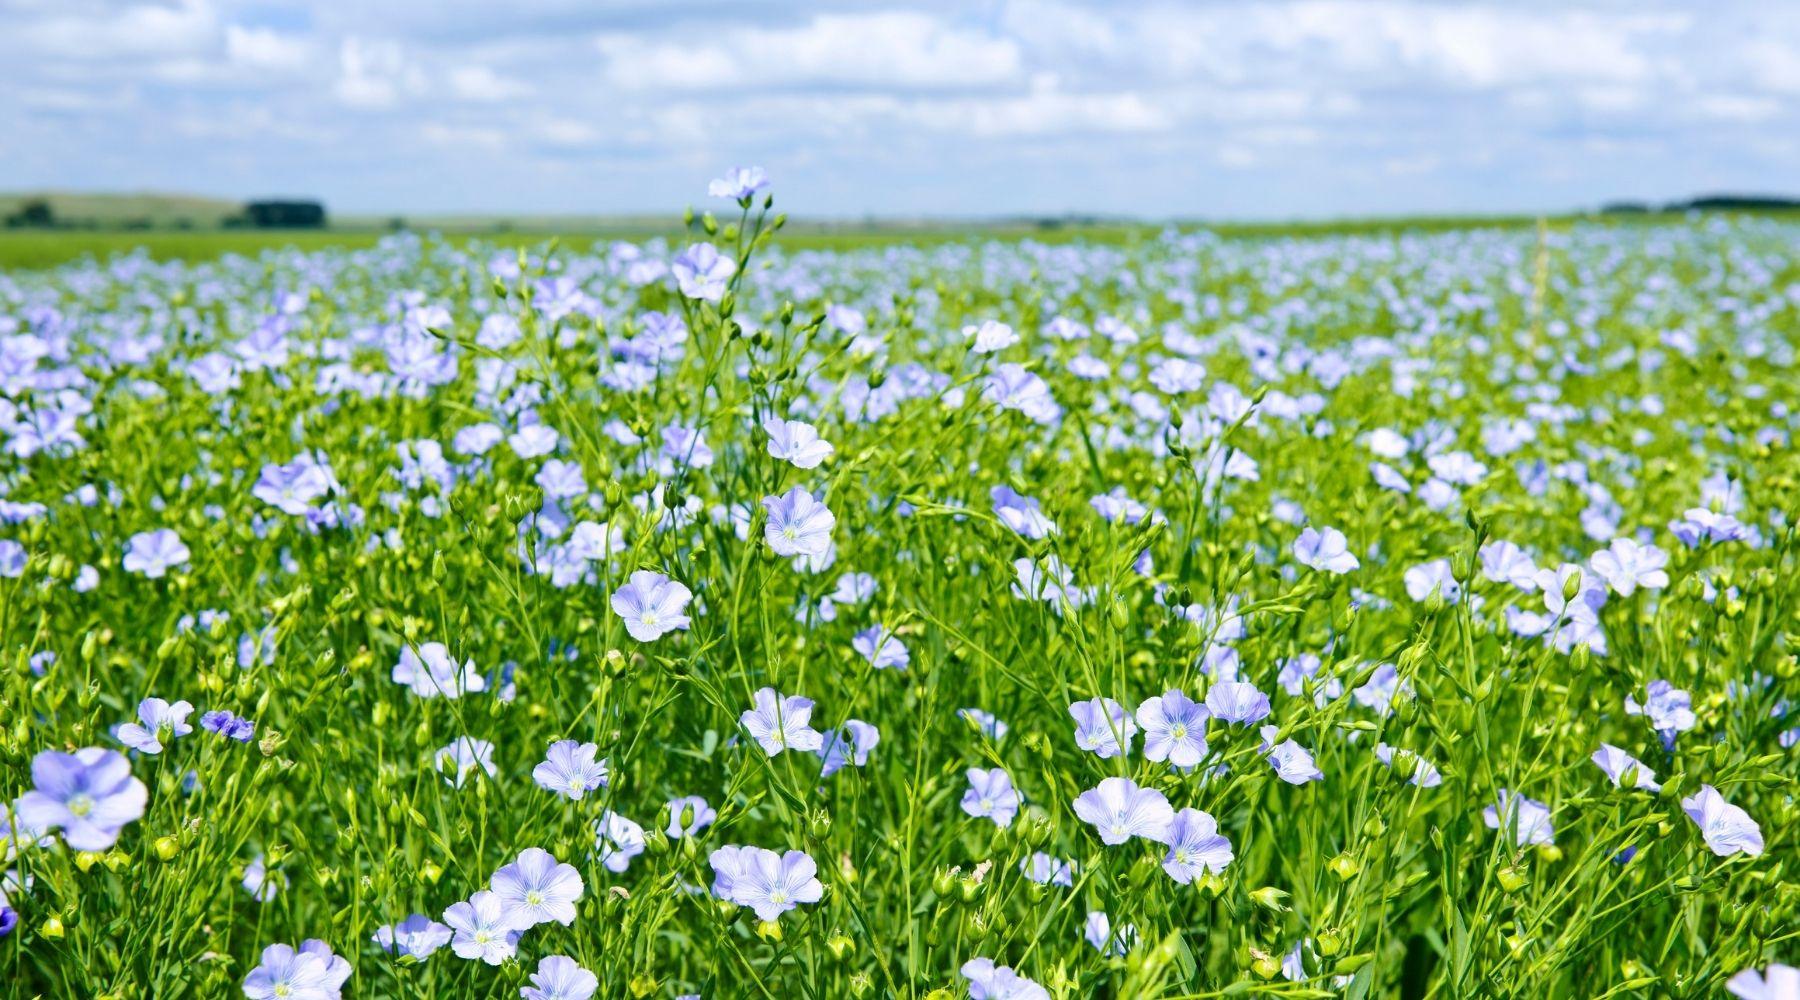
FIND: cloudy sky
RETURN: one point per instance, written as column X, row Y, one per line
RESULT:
column 1204, row 109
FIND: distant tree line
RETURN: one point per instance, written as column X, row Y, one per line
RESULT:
column 1707, row 203
column 38, row 213
column 279, row 215
column 32, row 213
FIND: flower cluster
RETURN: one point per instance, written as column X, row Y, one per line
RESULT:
column 1347, row 614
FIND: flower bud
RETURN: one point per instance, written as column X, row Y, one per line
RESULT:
column 1513, row 878
column 839, row 946
column 944, row 882
column 1270, row 898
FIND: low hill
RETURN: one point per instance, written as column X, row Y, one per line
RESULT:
column 143, row 209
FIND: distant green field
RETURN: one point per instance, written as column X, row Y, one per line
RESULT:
column 27, row 249
column 33, row 249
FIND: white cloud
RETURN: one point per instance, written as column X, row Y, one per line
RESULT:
column 902, row 49
column 93, row 34
column 375, row 75
column 1041, row 112
column 439, row 134
column 1275, row 108
column 264, row 50
column 482, row 85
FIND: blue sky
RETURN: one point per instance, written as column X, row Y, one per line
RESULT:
column 1218, row 109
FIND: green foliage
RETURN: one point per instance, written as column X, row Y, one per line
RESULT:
column 1388, row 888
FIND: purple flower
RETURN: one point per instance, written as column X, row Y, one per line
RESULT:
column 990, row 337
column 12, row 559
column 431, row 672
column 1013, row 387
column 1237, row 702
column 1046, row 870
column 686, row 446
column 881, row 648
column 991, row 794
column 1504, row 562
column 1616, row 763
column 90, row 795
column 1668, row 708
column 483, row 929
column 729, row 864
column 1024, row 515
column 534, row 440
column 767, row 882
column 1099, row 932
column 617, row 840
column 1117, row 505
column 457, row 759
column 1292, row 762
column 292, row 488
column 1379, row 692
column 1174, row 728
column 688, row 816
column 1778, row 982
column 1726, row 829
column 652, row 605
column 798, row 525
column 1701, row 524
column 1325, row 550
column 780, row 723
column 988, row 981
column 1417, row 770
column 1588, row 598
column 1120, row 810
column 156, row 719
column 796, row 442
column 569, row 769
column 1298, row 672
column 984, row 723
column 1103, row 727
column 418, row 936
column 703, row 272
column 154, row 553
column 262, row 885
column 228, row 725
column 311, row 973
column 1435, row 576
column 561, row 480
column 1626, row 566
column 1195, row 846
column 849, row 745
column 558, row 977
column 537, row 889
column 1529, row 819
column 737, row 184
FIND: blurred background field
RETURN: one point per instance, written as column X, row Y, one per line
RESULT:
column 185, row 227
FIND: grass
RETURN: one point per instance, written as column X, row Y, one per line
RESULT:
column 428, row 517
column 38, row 249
